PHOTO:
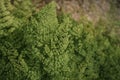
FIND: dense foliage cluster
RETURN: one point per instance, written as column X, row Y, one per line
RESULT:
column 44, row 46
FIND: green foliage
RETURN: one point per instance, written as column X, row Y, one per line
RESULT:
column 23, row 8
column 6, row 19
column 109, row 70
column 45, row 46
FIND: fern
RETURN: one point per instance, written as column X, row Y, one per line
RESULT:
column 6, row 19
column 44, row 46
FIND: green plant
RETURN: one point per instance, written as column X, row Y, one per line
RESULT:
column 6, row 19
column 45, row 46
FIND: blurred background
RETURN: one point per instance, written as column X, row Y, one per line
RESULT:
column 93, row 10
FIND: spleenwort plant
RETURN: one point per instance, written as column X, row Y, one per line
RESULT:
column 44, row 46
column 6, row 19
